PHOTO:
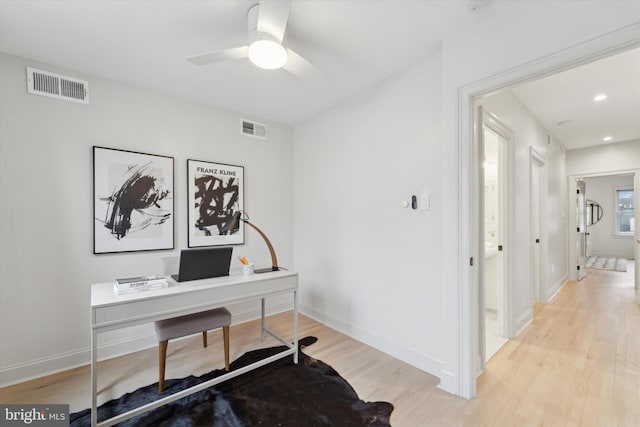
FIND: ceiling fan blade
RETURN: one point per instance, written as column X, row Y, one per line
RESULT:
column 273, row 16
column 302, row 68
column 221, row 55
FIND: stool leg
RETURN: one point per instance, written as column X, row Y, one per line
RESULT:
column 162, row 361
column 225, row 332
column 204, row 338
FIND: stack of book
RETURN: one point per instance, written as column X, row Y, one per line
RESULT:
column 137, row 284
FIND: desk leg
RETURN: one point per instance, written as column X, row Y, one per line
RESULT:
column 262, row 321
column 94, row 378
column 295, row 326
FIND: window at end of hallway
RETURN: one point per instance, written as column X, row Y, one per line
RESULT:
column 625, row 212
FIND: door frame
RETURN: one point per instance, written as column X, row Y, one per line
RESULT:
column 599, row 47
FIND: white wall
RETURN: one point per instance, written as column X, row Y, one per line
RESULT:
column 368, row 266
column 603, row 239
column 557, row 221
column 621, row 156
column 46, row 260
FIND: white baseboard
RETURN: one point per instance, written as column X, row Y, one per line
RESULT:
column 421, row 361
column 448, row 382
column 556, row 288
column 523, row 321
column 37, row 368
column 32, row 369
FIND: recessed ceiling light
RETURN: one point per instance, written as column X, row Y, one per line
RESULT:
column 607, row 138
column 600, row 97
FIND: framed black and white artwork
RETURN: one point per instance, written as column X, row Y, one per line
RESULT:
column 215, row 192
column 133, row 201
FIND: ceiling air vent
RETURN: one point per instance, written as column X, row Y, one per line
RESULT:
column 54, row 85
column 257, row 130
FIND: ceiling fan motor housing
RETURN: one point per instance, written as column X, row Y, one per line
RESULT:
column 265, row 50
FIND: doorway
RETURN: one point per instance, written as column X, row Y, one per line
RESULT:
column 596, row 221
column 495, row 143
column 469, row 220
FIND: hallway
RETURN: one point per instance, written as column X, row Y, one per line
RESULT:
column 578, row 363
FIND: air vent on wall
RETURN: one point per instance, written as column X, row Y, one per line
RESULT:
column 54, row 85
column 257, row 130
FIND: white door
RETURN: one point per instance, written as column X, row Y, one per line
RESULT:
column 537, row 222
column 581, row 221
column 535, row 228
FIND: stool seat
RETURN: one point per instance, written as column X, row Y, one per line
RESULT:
column 181, row 326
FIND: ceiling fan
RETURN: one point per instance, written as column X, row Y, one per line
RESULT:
column 267, row 24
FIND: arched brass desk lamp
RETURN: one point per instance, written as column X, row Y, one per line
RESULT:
column 233, row 224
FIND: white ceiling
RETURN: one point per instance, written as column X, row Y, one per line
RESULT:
column 145, row 43
column 568, row 97
column 357, row 42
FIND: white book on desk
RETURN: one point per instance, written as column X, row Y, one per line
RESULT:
column 150, row 287
column 140, row 282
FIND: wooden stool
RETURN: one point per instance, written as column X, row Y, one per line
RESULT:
column 187, row 325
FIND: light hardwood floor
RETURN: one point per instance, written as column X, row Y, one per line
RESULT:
column 577, row 364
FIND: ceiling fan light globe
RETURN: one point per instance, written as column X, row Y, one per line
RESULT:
column 267, row 54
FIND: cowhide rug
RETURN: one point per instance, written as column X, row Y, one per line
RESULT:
column 281, row 393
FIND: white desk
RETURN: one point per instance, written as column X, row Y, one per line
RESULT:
column 110, row 311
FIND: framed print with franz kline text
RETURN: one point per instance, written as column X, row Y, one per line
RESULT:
column 215, row 192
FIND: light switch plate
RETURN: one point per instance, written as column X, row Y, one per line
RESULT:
column 425, row 201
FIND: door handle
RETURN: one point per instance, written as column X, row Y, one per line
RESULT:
column 537, row 240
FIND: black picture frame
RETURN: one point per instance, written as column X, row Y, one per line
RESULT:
column 133, row 201
column 215, row 191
